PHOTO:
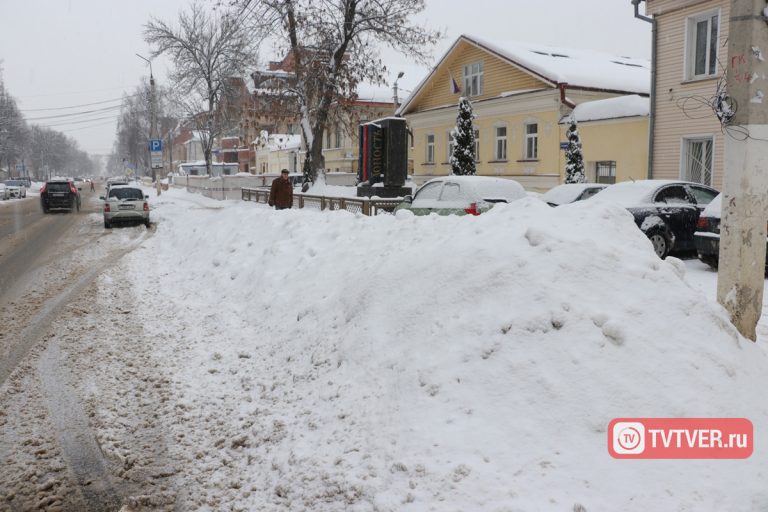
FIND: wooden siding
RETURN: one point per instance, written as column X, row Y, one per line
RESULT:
column 498, row 76
column 661, row 7
column 679, row 113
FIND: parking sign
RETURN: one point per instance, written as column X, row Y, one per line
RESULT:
column 155, row 145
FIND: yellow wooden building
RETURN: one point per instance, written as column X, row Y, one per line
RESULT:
column 520, row 94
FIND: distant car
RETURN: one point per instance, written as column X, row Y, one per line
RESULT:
column 571, row 192
column 16, row 188
column 666, row 211
column 59, row 194
column 125, row 203
column 4, row 192
column 461, row 195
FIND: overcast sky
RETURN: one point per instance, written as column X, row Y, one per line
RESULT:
column 60, row 53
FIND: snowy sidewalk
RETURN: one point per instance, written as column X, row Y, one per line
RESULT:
column 323, row 361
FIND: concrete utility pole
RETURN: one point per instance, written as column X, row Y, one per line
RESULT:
column 152, row 120
column 741, row 275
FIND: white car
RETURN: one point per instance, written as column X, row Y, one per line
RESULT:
column 125, row 203
column 16, row 188
column 461, row 195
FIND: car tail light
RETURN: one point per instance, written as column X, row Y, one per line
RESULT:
column 702, row 223
column 72, row 188
column 106, row 207
column 472, row 210
column 146, row 206
column 43, row 188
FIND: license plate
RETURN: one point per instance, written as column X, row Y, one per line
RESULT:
column 58, row 195
column 125, row 207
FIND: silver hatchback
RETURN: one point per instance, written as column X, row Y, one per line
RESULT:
column 125, row 204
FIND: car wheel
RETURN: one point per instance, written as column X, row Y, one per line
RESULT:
column 146, row 223
column 660, row 243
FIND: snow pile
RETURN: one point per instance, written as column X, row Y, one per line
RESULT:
column 341, row 362
column 612, row 108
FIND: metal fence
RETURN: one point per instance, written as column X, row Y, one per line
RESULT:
column 363, row 205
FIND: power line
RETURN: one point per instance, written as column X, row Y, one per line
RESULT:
column 78, row 122
column 70, row 93
column 77, row 106
column 75, row 114
column 86, row 127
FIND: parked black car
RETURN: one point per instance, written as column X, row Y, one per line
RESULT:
column 707, row 235
column 60, row 195
column 666, row 211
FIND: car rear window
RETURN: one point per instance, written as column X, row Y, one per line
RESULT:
column 126, row 193
column 58, row 187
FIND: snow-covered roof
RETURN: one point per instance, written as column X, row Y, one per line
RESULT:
column 567, row 192
column 611, row 108
column 196, row 136
column 277, row 141
column 585, row 69
column 379, row 93
column 575, row 67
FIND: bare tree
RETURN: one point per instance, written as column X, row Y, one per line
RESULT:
column 334, row 46
column 14, row 132
column 207, row 50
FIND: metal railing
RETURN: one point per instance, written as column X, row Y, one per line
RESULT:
column 363, row 205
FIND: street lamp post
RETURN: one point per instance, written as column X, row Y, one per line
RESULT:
column 152, row 120
column 394, row 87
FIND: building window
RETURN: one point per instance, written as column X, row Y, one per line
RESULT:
column 338, row 136
column 477, row 145
column 290, row 129
column 501, row 143
column 473, row 79
column 328, row 139
column 450, row 147
column 702, row 42
column 430, row 149
column 697, row 160
column 531, row 141
column 605, row 172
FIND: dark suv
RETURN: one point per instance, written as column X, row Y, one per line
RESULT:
column 60, row 195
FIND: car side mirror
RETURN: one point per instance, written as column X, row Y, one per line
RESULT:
column 408, row 199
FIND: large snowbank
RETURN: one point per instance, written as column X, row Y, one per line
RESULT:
column 341, row 362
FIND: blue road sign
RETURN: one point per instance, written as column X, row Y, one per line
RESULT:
column 563, row 145
column 155, row 145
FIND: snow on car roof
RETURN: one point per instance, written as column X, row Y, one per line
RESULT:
column 567, row 192
column 633, row 193
column 487, row 187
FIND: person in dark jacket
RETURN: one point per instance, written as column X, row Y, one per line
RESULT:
column 281, row 194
